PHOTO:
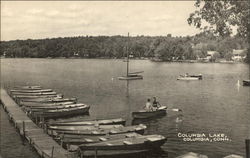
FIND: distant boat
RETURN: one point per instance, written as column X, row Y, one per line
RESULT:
column 246, row 82
column 148, row 114
column 131, row 75
column 190, row 77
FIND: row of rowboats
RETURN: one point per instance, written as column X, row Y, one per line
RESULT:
column 103, row 137
column 46, row 103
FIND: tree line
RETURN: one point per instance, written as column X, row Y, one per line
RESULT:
column 166, row 48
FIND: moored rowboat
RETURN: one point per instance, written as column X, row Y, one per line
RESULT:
column 62, row 112
column 88, row 122
column 32, row 94
column 132, row 143
column 38, row 104
column 48, row 100
column 137, row 128
column 81, row 128
column 35, row 96
column 30, row 91
column 95, row 139
column 46, row 108
column 147, row 114
column 28, row 87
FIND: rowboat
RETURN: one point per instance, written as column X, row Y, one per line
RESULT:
column 30, row 91
column 28, row 87
column 146, row 142
column 35, row 96
column 46, row 108
column 81, row 128
column 147, row 114
column 48, row 100
column 62, row 112
column 95, row 139
column 32, row 94
column 246, row 82
column 87, row 123
column 137, row 128
column 37, row 104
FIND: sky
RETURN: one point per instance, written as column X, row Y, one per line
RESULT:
column 49, row 19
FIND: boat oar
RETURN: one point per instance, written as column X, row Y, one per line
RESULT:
column 172, row 109
column 175, row 109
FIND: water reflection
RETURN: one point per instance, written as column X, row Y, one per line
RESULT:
column 127, row 92
column 147, row 121
column 238, row 85
column 156, row 153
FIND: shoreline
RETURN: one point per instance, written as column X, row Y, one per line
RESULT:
column 179, row 61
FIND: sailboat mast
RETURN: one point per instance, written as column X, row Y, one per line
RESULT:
column 127, row 55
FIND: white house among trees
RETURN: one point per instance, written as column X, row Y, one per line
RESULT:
column 238, row 55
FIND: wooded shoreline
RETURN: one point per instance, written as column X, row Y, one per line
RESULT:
column 162, row 48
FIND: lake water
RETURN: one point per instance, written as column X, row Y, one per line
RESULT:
column 217, row 104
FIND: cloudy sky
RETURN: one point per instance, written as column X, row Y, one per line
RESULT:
column 47, row 19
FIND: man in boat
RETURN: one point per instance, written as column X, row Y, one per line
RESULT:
column 186, row 75
column 156, row 104
column 148, row 105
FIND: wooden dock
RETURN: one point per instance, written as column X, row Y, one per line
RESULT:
column 45, row 146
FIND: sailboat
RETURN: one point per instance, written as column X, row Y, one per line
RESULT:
column 131, row 75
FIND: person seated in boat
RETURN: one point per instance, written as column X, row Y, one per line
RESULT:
column 186, row 75
column 148, row 105
column 156, row 104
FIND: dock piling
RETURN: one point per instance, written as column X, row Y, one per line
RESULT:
column 95, row 153
column 247, row 148
column 45, row 128
column 62, row 138
column 36, row 119
column 52, row 152
column 40, row 121
column 23, row 128
column 23, row 132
